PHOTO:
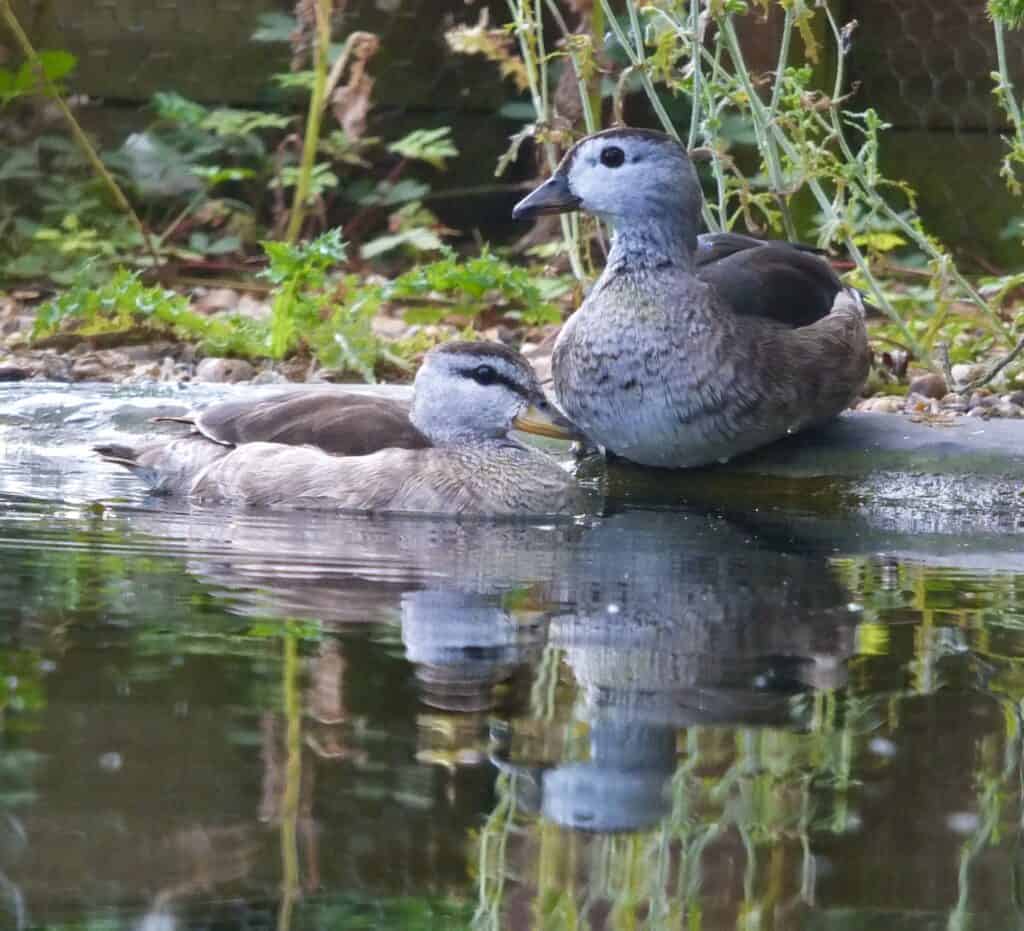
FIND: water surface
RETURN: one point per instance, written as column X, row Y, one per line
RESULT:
column 671, row 715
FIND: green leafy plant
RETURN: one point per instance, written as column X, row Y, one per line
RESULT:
column 688, row 61
column 124, row 303
column 471, row 287
column 300, row 273
column 53, row 65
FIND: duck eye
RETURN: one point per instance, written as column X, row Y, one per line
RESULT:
column 484, row 375
column 612, row 156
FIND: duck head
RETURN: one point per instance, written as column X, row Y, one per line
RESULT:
column 636, row 180
column 473, row 391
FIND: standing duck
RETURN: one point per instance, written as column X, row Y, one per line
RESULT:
column 678, row 358
column 466, row 398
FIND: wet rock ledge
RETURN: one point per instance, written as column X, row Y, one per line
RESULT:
column 953, row 476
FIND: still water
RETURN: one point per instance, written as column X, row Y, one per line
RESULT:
column 673, row 715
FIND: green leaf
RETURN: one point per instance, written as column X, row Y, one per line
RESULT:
column 274, row 27
column 419, row 238
column 432, row 146
column 57, row 63
column 177, row 109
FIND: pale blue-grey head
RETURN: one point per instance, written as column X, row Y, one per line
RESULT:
column 470, row 391
column 639, row 181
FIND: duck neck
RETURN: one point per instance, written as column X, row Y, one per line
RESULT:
column 654, row 243
column 442, row 429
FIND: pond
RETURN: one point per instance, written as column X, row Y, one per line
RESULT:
column 671, row 715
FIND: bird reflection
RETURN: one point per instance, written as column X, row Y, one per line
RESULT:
column 662, row 620
column 676, row 622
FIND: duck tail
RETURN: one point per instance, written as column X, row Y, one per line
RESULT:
column 115, row 452
column 128, row 458
column 851, row 299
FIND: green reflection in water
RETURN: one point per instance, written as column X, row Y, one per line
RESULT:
column 757, row 813
column 174, row 747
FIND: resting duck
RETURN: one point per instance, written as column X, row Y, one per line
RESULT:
column 466, row 398
column 678, row 359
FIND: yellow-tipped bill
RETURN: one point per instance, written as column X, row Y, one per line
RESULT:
column 546, row 421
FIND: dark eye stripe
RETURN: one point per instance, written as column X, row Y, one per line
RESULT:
column 500, row 379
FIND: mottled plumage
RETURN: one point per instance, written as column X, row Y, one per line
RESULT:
column 667, row 364
column 466, row 399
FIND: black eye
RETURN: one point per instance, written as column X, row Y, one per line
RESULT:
column 612, row 156
column 484, row 375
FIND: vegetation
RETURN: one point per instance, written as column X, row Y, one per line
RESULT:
column 203, row 190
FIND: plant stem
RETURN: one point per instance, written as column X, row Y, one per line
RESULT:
column 314, row 118
column 534, row 67
column 698, row 74
column 1009, row 97
column 764, row 120
column 921, row 241
column 591, row 103
column 597, row 44
column 639, row 61
column 773, row 107
column 81, row 139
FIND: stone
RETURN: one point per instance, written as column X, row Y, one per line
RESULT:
column 216, row 301
column 387, row 327
column 248, row 306
column 150, row 352
column 929, row 386
column 268, row 377
column 224, row 370
column 886, row 404
column 964, row 373
column 919, row 404
column 1008, row 409
column 106, row 365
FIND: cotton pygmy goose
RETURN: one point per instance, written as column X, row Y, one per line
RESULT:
column 451, row 452
column 690, row 350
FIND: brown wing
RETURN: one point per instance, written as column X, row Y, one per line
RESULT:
column 340, row 423
column 783, row 281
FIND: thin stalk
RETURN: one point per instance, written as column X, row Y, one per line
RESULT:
column 597, row 41
column 292, row 783
column 523, row 29
column 591, row 123
column 1006, row 83
column 81, row 139
column 827, row 207
column 639, row 61
column 920, row 241
column 314, row 118
column 698, row 74
column 757, row 112
column 542, row 58
column 764, row 121
column 773, row 107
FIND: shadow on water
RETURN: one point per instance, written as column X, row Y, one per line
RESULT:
column 715, row 714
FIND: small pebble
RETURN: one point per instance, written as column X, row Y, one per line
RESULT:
column 1008, row 409
column 963, row 373
column 929, row 386
column 224, row 370
column 919, row 404
column 887, row 404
